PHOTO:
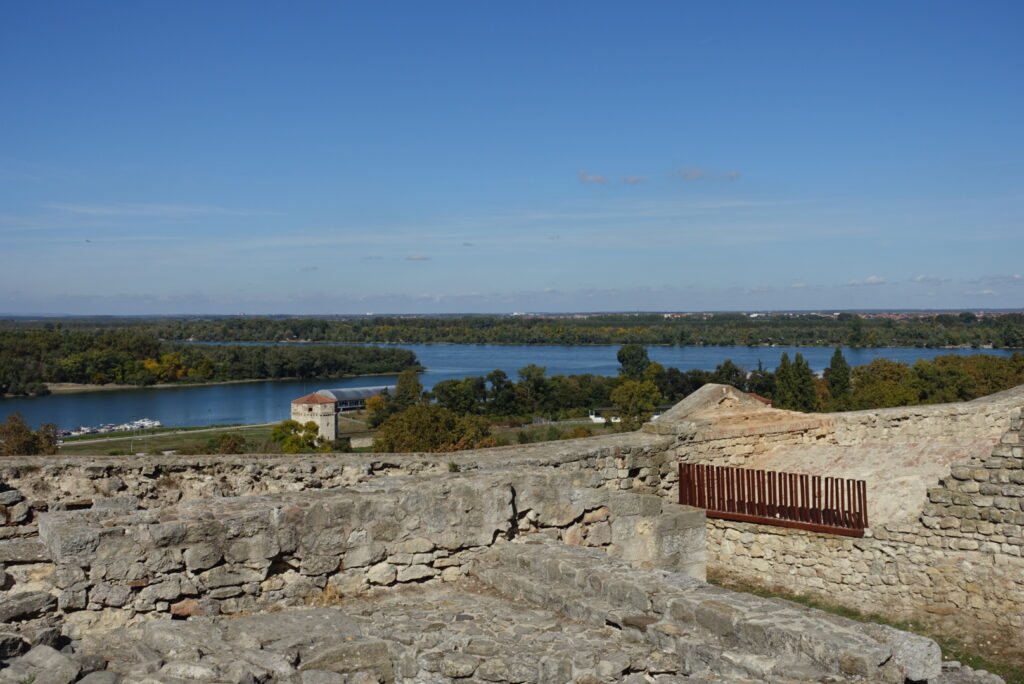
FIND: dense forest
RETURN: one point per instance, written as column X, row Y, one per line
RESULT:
column 31, row 358
column 941, row 330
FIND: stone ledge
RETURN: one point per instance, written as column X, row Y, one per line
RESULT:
column 584, row 585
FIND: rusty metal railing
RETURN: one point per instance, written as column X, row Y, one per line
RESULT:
column 807, row 502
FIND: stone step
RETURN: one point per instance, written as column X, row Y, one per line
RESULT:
column 712, row 630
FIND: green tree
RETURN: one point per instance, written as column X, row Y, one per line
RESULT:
column 761, row 381
column 683, row 383
column 376, row 409
column 633, row 361
column 408, row 391
column 18, row 439
column 473, row 432
column 881, row 384
column 794, row 385
column 47, row 439
column 856, row 333
column 293, row 437
column 533, row 387
column 656, row 373
column 501, row 396
column 431, row 428
column 461, row 396
column 805, row 396
column 728, row 373
column 342, row 445
column 785, row 384
column 636, row 401
column 837, row 376
column 229, row 443
column 455, row 395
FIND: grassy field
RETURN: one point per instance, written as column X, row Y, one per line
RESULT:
column 143, row 433
column 156, row 441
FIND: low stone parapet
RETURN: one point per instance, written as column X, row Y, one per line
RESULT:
column 628, row 461
column 241, row 554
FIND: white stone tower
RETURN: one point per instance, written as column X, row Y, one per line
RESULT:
column 321, row 410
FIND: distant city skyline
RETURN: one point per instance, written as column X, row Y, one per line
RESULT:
column 459, row 157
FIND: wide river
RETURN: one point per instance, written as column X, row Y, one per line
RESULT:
column 266, row 401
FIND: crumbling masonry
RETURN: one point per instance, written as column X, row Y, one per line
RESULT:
column 556, row 562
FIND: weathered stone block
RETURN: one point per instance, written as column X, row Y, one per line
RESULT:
column 634, row 504
column 356, row 656
column 26, row 605
column 202, row 556
column 364, row 554
column 256, row 548
column 228, row 575
column 44, row 665
column 319, row 565
column 23, row 551
column 415, row 572
column 106, row 594
column 417, row 545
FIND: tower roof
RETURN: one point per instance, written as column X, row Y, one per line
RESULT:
column 313, row 398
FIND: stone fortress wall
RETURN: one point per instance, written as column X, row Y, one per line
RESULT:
column 112, row 541
column 227, row 556
column 946, row 504
column 960, row 556
column 566, row 534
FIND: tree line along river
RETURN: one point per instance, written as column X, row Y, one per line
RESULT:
column 267, row 401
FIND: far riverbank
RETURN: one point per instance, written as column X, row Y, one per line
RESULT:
column 266, row 401
column 75, row 388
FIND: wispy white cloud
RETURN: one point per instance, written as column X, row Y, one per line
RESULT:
column 1014, row 279
column 930, row 279
column 870, row 280
column 417, row 257
column 634, row 180
column 983, row 293
column 585, row 176
column 150, row 210
column 732, row 175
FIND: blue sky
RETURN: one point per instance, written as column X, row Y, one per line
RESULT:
column 307, row 157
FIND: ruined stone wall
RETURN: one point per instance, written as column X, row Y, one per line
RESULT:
column 732, row 437
column 735, row 446
column 983, row 418
column 962, row 558
column 240, row 554
column 960, row 563
column 627, row 461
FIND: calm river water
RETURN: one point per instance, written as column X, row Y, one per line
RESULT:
column 265, row 401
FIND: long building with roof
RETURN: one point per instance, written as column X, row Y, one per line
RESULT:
column 323, row 406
